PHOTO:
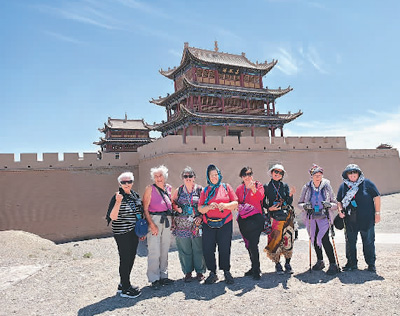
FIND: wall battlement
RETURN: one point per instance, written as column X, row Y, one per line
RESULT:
column 373, row 153
column 174, row 143
column 67, row 160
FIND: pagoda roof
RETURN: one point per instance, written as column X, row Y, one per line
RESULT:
column 217, row 58
column 123, row 140
column 124, row 124
column 221, row 90
column 186, row 117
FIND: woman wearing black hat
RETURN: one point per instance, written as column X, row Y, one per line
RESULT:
column 360, row 206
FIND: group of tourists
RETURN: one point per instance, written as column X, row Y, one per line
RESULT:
column 201, row 220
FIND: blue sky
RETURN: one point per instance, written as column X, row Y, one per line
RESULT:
column 66, row 66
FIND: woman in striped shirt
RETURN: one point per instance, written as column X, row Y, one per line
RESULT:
column 125, row 207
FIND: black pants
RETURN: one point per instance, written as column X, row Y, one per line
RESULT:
column 251, row 228
column 326, row 243
column 221, row 237
column 127, row 245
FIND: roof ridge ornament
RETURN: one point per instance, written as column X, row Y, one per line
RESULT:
column 216, row 46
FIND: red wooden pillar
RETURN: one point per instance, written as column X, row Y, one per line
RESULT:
column 241, row 80
column 216, row 76
column 272, row 131
column 252, row 130
column 273, row 107
column 191, row 102
column 203, row 127
column 199, row 102
column 184, row 135
column 223, row 104
column 248, row 106
column 282, row 131
column 261, row 82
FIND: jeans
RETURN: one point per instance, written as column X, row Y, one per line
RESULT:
column 127, row 245
column 368, row 240
column 221, row 237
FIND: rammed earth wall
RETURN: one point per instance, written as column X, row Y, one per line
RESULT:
column 66, row 200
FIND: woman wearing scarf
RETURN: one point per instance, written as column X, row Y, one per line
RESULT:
column 319, row 204
column 124, row 209
column 158, row 210
column 360, row 206
column 187, row 226
column 217, row 201
column 250, row 217
column 280, row 241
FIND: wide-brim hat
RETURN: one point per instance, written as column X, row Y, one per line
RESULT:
column 277, row 166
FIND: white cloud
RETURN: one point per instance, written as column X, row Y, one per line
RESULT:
column 365, row 132
column 287, row 62
column 315, row 60
column 63, row 37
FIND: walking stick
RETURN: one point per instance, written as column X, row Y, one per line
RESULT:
column 309, row 241
column 333, row 237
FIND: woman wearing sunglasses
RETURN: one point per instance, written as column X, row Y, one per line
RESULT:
column 187, row 226
column 278, row 202
column 360, row 206
column 217, row 201
column 250, row 217
column 123, row 211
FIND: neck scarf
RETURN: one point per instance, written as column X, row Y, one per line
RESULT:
column 353, row 189
column 213, row 187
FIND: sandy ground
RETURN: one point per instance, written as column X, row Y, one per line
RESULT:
column 38, row 277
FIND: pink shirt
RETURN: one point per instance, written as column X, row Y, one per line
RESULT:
column 157, row 203
column 247, row 196
column 221, row 196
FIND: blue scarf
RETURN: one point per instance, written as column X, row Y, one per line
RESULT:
column 353, row 189
column 213, row 187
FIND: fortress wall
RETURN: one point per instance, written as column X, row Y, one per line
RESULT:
column 67, row 160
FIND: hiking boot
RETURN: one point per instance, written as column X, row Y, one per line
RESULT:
column 288, row 268
column 188, row 277
column 156, row 285
column 120, row 288
column 278, row 268
column 166, row 281
column 371, row 268
column 130, row 293
column 212, row 278
column 319, row 265
column 199, row 277
column 333, row 269
column 249, row 273
column 349, row 267
column 228, row 277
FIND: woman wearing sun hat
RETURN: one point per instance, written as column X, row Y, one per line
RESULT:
column 278, row 201
column 360, row 206
column 318, row 201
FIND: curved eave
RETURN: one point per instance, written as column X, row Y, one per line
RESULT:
column 186, row 113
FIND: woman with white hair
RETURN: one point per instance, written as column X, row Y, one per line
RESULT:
column 124, row 209
column 278, row 202
column 158, row 210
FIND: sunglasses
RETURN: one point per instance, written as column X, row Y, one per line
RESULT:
column 248, row 174
column 127, row 182
column 190, row 176
column 352, row 172
column 279, row 172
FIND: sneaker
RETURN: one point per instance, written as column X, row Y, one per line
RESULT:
column 288, row 268
column 212, row 278
column 199, row 277
column 349, row 267
column 256, row 275
column 156, row 285
column 188, row 277
column 228, row 277
column 120, row 288
column 371, row 268
column 130, row 293
column 319, row 265
column 166, row 281
column 249, row 273
column 278, row 268
column 333, row 269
